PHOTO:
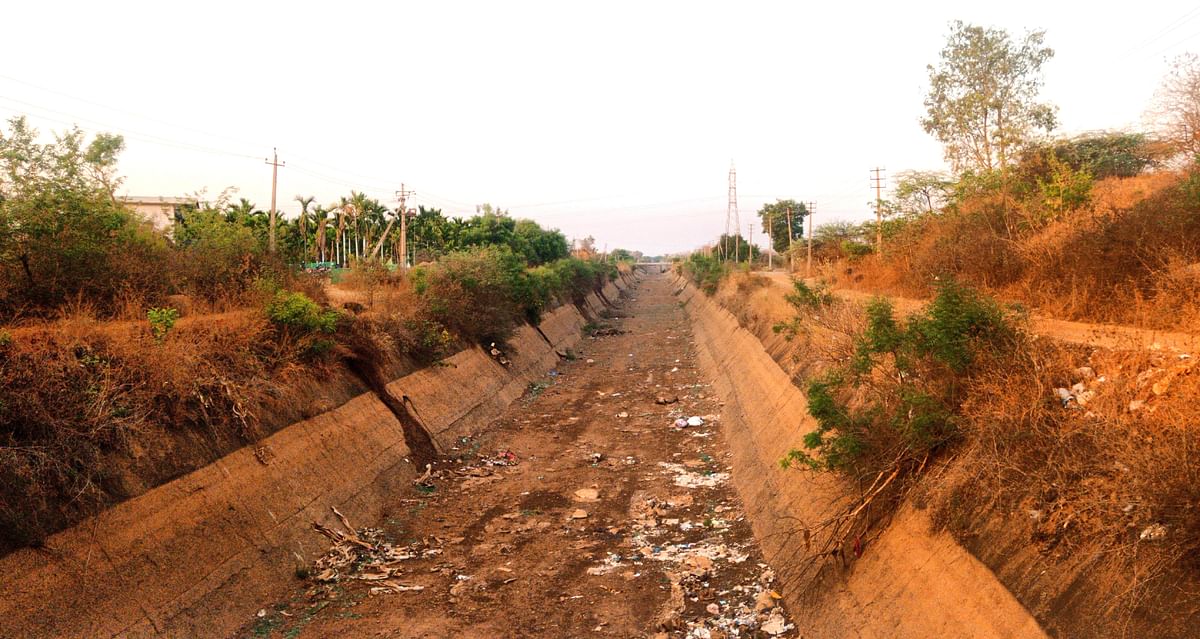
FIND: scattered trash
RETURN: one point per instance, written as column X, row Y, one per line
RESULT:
column 1153, row 532
column 591, row 361
column 695, row 421
column 775, row 625
column 1136, row 405
column 623, row 414
column 501, row 458
column 687, row 479
column 681, row 423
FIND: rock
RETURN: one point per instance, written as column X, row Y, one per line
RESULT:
column 1153, row 532
column 764, row 601
column 680, row 501
column 579, row 514
column 713, row 609
column 697, row 565
column 587, row 494
column 622, row 414
column 591, row 361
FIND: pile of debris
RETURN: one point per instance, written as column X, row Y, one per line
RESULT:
column 364, row 555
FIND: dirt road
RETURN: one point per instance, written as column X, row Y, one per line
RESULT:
column 1098, row 335
column 585, row 511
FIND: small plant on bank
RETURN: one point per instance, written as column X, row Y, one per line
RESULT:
column 296, row 312
column 162, row 320
column 804, row 299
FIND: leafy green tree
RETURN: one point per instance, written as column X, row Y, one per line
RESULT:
column 219, row 251
column 738, row 248
column 774, row 216
column 921, row 192
column 539, row 245
column 982, row 103
column 62, row 233
column 1109, row 154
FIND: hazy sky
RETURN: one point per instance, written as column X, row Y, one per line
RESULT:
column 615, row 119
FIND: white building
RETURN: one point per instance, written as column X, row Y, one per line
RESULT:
column 158, row 210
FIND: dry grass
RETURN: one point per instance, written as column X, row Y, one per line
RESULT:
column 1131, row 257
column 93, row 412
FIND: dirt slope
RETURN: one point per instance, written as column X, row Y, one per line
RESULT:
column 611, row 522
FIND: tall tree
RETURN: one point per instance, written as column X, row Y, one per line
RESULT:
column 918, row 192
column 305, row 202
column 774, row 216
column 982, row 103
column 1176, row 107
column 321, row 217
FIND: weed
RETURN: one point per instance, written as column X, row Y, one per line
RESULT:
column 162, row 320
column 295, row 311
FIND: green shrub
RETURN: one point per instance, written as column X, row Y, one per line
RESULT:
column 896, row 400
column 804, row 296
column 162, row 320
column 296, row 312
column 705, row 271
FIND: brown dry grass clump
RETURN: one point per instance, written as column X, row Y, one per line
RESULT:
column 1093, row 487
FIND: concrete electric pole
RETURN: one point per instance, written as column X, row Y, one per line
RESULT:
column 275, row 164
column 402, row 195
column 878, row 180
column 812, row 210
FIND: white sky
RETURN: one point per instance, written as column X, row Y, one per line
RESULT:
column 615, row 119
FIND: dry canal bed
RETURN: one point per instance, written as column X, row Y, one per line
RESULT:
column 584, row 511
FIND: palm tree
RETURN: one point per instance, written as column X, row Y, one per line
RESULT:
column 361, row 205
column 344, row 209
column 305, row 202
column 321, row 217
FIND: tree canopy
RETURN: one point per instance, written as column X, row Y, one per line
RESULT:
column 982, row 103
column 774, row 216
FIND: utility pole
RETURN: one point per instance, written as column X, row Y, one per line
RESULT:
column 750, row 247
column 812, row 210
column 789, row 222
column 731, row 213
column 878, row 180
column 402, row 195
column 275, row 164
column 770, row 230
